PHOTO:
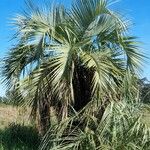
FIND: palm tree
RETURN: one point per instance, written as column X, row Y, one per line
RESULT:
column 66, row 59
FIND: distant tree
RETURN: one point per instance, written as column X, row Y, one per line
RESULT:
column 145, row 90
column 10, row 97
column 1, row 99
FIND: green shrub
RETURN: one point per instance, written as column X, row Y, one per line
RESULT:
column 19, row 137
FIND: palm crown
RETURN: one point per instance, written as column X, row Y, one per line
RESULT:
column 66, row 59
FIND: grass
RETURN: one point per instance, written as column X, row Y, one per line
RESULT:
column 16, row 131
column 11, row 114
column 146, row 117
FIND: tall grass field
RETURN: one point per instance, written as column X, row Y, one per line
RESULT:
column 16, row 131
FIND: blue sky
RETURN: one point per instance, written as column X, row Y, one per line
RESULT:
column 136, row 10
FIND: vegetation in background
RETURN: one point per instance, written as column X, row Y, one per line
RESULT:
column 8, row 99
column 12, row 114
column 78, row 69
column 145, row 90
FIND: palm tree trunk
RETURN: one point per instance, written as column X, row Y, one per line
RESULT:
column 82, row 86
column 44, row 118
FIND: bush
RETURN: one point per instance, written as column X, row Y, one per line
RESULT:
column 19, row 137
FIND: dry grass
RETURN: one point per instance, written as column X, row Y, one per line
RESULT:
column 10, row 114
column 146, row 118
